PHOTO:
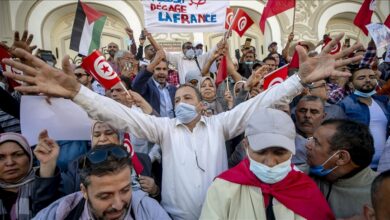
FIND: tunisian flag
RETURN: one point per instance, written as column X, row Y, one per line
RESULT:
column 229, row 17
column 96, row 65
column 363, row 17
column 275, row 77
column 138, row 167
column 222, row 71
column 241, row 22
column 274, row 7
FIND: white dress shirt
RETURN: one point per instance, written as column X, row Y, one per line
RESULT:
column 185, row 65
column 191, row 160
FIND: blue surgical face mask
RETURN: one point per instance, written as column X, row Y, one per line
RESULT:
column 267, row 174
column 364, row 94
column 320, row 170
column 190, row 54
column 185, row 113
column 249, row 63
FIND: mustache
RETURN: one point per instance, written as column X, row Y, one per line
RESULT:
column 307, row 122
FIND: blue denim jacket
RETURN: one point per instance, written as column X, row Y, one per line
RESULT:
column 358, row 111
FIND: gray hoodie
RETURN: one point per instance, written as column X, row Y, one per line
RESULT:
column 143, row 208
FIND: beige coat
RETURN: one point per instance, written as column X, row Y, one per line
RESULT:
column 348, row 196
column 227, row 200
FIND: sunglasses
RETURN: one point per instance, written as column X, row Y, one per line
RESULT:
column 97, row 156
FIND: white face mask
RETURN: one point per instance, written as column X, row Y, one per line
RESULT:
column 198, row 52
column 267, row 174
column 185, row 113
column 190, row 54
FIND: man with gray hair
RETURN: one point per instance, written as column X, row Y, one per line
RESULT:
column 125, row 62
column 309, row 115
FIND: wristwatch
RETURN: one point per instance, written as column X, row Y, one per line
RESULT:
column 306, row 85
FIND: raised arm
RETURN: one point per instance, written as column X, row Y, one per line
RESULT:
column 45, row 79
column 287, row 47
column 140, row 81
column 133, row 47
column 210, row 61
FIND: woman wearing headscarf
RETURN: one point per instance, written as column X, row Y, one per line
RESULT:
column 208, row 91
column 24, row 190
column 102, row 134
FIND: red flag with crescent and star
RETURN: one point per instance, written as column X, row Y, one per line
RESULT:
column 242, row 22
column 229, row 17
column 96, row 65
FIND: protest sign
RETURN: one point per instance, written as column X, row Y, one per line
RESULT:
column 63, row 119
column 380, row 34
column 166, row 16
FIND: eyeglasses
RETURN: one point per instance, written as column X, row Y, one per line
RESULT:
column 79, row 75
column 97, row 156
column 189, row 47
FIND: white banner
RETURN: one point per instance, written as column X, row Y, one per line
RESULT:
column 166, row 16
column 63, row 119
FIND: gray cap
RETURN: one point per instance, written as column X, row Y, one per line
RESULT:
column 270, row 128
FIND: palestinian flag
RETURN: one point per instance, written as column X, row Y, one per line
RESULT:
column 87, row 29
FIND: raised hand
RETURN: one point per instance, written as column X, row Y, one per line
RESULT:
column 312, row 69
column 139, row 101
column 290, row 37
column 42, row 78
column 24, row 43
column 129, row 32
column 255, row 78
column 229, row 99
column 46, row 151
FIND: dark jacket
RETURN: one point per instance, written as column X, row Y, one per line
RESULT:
column 144, row 85
column 71, row 178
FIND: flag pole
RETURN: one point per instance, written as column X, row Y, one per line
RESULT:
column 293, row 24
column 227, row 84
column 124, row 87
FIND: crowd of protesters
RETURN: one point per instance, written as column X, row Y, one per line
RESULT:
column 315, row 146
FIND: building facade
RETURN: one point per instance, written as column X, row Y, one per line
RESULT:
column 51, row 23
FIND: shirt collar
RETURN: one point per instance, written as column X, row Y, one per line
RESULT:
column 158, row 84
column 202, row 120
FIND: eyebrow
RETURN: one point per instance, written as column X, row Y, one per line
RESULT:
column 102, row 193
